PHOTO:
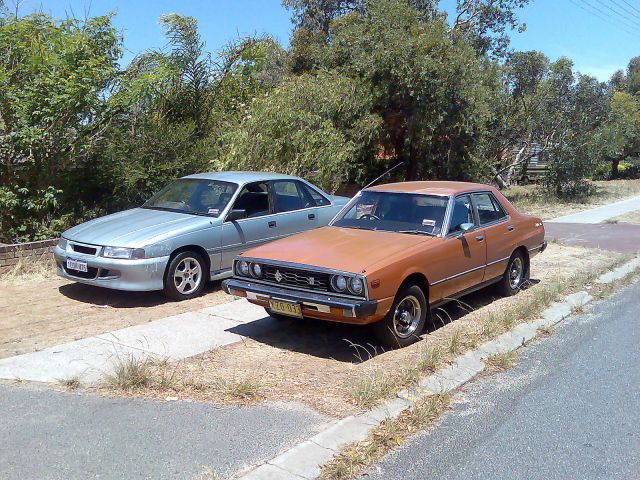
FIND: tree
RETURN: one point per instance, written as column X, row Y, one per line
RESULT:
column 633, row 76
column 486, row 23
column 619, row 136
column 427, row 86
column 55, row 77
column 317, row 126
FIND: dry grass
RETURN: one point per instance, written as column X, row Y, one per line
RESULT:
column 148, row 375
column 310, row 363
column 500, row 361
column 630, row 217
column 534, row 200
column 353, row 459
column 30, row 270
column 71, row 383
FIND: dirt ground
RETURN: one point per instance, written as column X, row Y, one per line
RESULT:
column 39, row 311
column 323, row 364
column 533, row 200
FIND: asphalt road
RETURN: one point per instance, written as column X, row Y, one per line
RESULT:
column 53, row 435
column 569, row 409
column 620, row 237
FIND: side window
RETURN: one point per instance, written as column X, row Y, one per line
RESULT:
column 254, row 198
column 288, row 196
column 462, row 213
column 489, row 210
column 319, row 199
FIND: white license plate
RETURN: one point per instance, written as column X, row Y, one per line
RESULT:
column 78, row 265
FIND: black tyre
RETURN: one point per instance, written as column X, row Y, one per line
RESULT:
column 186, row 276
column 514, row 276
column 406, row 319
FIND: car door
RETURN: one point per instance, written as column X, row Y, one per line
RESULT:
column 463, row 257
column 498, row 231
column 295, row 209
column 258, row 227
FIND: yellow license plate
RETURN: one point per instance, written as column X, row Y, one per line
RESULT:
column 285, row 308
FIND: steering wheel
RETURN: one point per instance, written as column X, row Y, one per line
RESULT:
column 369, row 216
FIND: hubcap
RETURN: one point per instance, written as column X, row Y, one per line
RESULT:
column 515, row 273
column 406, row 317
column 187, row 276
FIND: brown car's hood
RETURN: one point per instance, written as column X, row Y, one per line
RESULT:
column 347, row 249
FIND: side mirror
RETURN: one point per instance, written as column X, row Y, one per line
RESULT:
column 236, row 214
column 464, row 228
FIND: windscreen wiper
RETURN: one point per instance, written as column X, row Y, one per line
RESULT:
column 416, row 232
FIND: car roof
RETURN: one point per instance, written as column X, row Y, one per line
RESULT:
column 432, row 187
column 241, row 177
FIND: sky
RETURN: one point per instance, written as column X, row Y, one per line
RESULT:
column 600, row 36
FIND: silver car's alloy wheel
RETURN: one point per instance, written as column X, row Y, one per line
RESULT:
column 406, row 316
column 187, row 275
column 515, row 272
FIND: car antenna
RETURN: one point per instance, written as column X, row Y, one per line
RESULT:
column 383, row 175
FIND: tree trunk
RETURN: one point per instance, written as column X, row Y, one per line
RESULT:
column 614, row 168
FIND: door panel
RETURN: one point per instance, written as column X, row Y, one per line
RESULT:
column 242, row 235
column 500, row 233
column 259, row 227
column 461, row 261
column 295, row 208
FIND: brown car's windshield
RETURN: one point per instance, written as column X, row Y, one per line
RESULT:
column 193, row 195
column 395, row 212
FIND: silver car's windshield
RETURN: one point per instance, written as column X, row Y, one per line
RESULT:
column 193, row 195
column 408, row 213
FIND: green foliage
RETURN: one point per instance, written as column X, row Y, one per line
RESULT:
column 318, row 126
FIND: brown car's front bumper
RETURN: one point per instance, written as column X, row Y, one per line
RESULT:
column 315, row 305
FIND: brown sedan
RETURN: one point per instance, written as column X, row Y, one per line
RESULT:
column 393, row 253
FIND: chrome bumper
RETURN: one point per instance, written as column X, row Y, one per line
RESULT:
column 134, row 275
column 356, row 308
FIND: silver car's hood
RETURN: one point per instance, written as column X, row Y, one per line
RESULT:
column 137, row 227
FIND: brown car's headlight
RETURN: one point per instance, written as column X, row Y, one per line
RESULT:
column 356, row 286
column 242, row 268
column 339, row 283
column 256, row 270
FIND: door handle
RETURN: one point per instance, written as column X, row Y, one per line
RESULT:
column 311, row 216
column 479, row 237
column 510, row 228
column 272, row 224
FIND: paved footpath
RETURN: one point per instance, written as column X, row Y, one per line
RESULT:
column 49, row 435
column 567, row 410
column 585, row 229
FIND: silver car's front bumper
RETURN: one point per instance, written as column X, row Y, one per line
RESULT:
column 136, row 275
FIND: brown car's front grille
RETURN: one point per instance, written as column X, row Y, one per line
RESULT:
column 297, row 278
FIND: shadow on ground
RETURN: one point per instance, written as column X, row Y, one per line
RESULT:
column 118, row 298
column 351, row 343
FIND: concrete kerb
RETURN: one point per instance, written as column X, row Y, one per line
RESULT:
column 306, row 459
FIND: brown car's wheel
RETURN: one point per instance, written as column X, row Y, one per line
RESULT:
column 185, row 277
column 405, row 320
column 514, row 276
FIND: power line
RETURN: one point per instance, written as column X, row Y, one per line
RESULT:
column 604, row 17
column 626, row 9
column 625, row 18
column 632, row 6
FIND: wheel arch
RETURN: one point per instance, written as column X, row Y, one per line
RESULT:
column 525, row 255
column 419, row 279
column 190, row 248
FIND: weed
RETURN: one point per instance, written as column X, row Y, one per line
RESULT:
column 71, row 383
column 371, row 387
column 130, row 373
column 501, row 361
column 388, row 435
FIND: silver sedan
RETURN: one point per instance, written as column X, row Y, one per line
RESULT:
column 190, row 231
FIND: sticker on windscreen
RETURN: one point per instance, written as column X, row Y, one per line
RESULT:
column 426, row 222
column 213, row 211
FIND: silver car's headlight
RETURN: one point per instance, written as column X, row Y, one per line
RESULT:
column 62, row 243
column 123, row 253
